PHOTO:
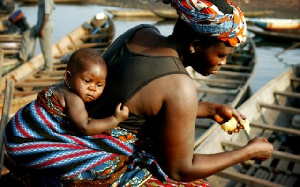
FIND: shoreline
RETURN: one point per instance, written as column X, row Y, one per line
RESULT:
column 288, row 9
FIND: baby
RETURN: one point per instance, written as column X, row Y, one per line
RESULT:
column 84, row 81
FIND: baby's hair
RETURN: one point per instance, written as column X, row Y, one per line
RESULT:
column 83, row 56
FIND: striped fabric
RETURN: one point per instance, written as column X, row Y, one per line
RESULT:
column 42, row 138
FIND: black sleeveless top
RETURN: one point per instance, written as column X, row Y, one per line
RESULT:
column 128, row 72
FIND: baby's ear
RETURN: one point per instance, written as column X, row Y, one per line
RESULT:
column 67, row 77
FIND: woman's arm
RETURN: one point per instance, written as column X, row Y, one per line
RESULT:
column 178, row 131
column 219, row 112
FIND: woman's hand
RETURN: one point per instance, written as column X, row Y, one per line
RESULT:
column 259, row 149
column 224, row 113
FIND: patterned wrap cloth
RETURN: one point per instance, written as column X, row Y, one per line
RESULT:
column 207, row 19
column 40, row 136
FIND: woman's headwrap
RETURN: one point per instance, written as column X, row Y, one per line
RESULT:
column 207, row 19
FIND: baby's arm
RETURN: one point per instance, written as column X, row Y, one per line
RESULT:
column 97, row 126
column 78, row 115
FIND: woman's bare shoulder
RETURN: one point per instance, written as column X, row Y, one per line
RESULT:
column 150, row 42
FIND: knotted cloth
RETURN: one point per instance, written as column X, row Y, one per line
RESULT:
column 40, row 136
column 205, row 18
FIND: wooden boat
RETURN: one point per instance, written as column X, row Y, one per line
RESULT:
column 168, row 14
column 231, row 85
column 280, row 36
column 253, row 14
column 172, row 14
column 29, row 80
column 12, row 27
column 131, row 13
column 55, row 1
column 10, row 44
column 272, row 111
column 272, row 24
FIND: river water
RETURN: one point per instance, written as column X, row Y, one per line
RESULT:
column 68, row 17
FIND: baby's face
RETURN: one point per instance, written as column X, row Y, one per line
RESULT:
column 89, row 82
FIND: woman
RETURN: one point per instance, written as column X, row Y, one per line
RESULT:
column 146, row 72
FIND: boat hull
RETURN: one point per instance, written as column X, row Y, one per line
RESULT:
column 270, row 112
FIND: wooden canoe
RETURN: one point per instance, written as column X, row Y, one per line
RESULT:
column 131, row 13
column 272, row 24
column 271, row 112
column 55, row 1
column 231, row 85
column 170, row 14
column 10, row 44
column 29, row 80
column 281, row 36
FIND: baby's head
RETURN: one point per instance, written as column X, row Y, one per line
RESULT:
column 86, row 74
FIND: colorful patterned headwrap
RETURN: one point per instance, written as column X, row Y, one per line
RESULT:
column 207, row 19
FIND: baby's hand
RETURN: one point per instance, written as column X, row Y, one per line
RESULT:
column 121, row 114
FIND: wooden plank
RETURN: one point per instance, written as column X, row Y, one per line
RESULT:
column 50, row 73
column 251, row 170
column 267, row 163
column 10, row 52
column 242, row 55
column 234, row 74
column 24, row 93
column 235, row 67
column 96, row 36
column 221, row 81
column 287, row 94
column 246, row 179
column 36, row 84
column 287, row 156
column 276, row 154
column 261, row 174
column 15, row 47
column 217, row 91
column 283, row 166
column 10, row 40
column 42, row 79
column 294, row 82
column 295, row 79
column 1, row 63
column 279, row 177
column 5, row 116
column 275, row 128
column 291, row 180
column 88, row 45
column 9, row 36
column 280, row 108
column 296, row 169
column 59, row 66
